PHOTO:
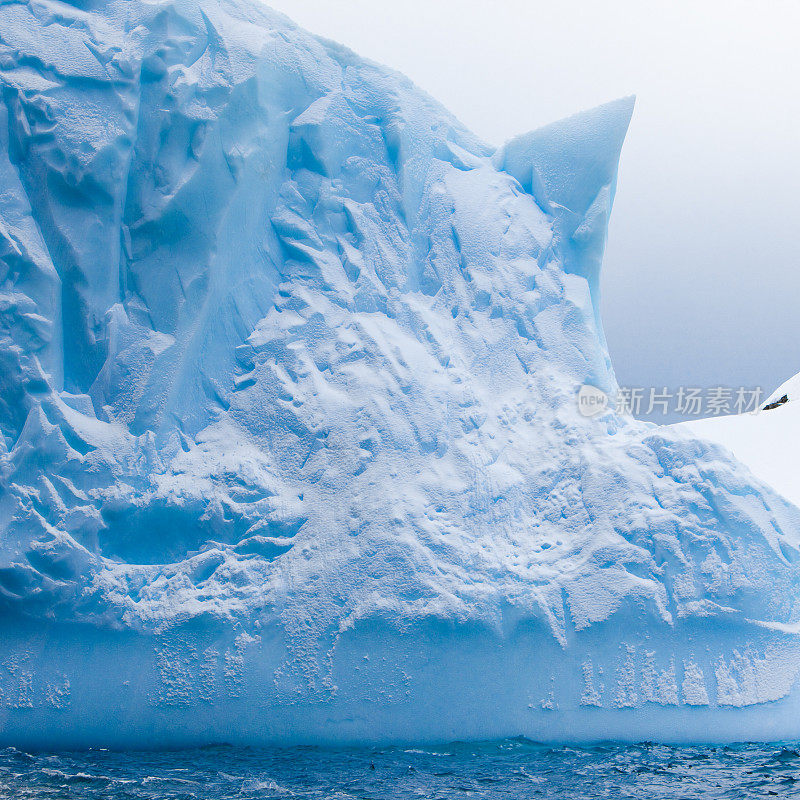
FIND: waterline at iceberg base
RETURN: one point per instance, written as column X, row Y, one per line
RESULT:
column 291, row 448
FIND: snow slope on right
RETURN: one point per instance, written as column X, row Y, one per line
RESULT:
column 765, row 441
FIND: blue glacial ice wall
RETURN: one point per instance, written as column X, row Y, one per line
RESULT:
column 289, row 441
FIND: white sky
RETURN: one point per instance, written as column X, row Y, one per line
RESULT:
column 702, row 276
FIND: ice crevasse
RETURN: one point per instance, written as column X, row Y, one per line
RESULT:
column 289, row 442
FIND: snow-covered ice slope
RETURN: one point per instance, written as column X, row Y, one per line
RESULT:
column 290, row 444
column 766, row 441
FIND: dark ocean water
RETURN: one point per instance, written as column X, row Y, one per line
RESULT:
column 507, row 769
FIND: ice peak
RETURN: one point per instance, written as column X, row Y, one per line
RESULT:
column 567, row 163
column 570, row 168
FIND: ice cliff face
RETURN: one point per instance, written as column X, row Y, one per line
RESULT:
column 290, row 443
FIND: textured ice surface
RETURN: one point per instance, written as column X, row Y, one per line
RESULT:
column 290, row 444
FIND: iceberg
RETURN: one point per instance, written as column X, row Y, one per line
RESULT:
column 290, row 441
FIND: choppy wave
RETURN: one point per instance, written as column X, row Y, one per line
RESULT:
column 506, row 769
